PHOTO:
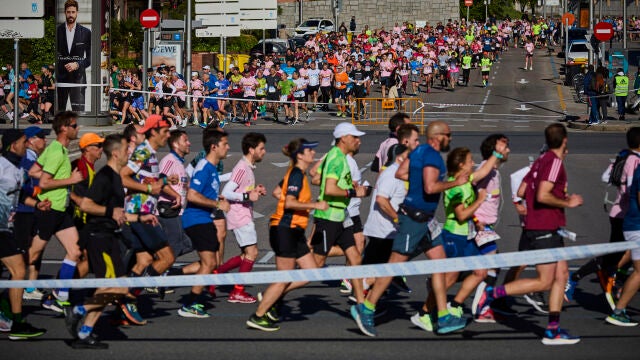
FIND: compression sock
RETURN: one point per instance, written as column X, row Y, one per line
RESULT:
column 67, row 270
column 175, row 271
column 230, row 264
column 499, row 291
column 85, row 331
column 589, row 268
column 80, row 310
column 150, row 271
column 455, row 304
column 246, row 265
column 554, row 320
column 16, row 317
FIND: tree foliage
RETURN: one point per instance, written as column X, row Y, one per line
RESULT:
column 35, row 52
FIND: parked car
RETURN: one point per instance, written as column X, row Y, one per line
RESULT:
column 578, row 52
column 272, row 47
column 313, row 26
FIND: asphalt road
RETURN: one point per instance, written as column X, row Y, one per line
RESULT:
column 316, row 323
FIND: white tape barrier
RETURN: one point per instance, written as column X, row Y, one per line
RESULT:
column 348, row 272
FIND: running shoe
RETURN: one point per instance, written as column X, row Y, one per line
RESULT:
column 486, row 299
column 364, row 319
column 485, row 316
column 536, row 299
column 450, row 323
column 423, row 322
column 130, row 311
column 478, row 297
column 71, row 321
column 456, row 311
column 90, row 342
column 559, row 337
column 400, row 283
column 5, row 323
column 35, row 294
column 240, row 296
column 157, row 290
column 193, row 311
column 621, row 319
column 24, row 330
column 49, row 302
column 262, row 323
column 609, row 292
column 203, row 125
column 346, row 287
column 569, row 289
column 339, row 114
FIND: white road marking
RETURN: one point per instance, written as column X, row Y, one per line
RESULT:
column 484, row 102
column 266, row 258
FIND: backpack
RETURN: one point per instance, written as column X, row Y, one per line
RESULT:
column 617, row 168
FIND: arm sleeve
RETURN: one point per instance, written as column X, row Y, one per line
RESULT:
column 229, row 192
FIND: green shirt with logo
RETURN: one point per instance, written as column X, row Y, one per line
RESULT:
column 334, row 166
column 453, row 197
column 54, row 160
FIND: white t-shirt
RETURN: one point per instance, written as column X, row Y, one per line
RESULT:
column 378, row 223
column 314, row 77
column 356, row 177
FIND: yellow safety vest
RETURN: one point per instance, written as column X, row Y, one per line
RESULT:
column 622, row 85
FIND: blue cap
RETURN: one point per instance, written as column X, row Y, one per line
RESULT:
column 308, row 144
column 32, row 131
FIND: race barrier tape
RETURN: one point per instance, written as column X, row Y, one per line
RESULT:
column 420, row 267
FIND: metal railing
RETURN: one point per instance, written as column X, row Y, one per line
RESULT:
column 377, row 111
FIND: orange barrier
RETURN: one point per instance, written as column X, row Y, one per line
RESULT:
column 377, row 111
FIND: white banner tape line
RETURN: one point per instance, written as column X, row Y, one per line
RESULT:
column 421, row 267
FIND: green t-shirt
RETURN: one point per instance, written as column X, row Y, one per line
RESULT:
column 334, row 166
column 285, row 86
column 466, row 61
column 54, row 160
column 453, row 197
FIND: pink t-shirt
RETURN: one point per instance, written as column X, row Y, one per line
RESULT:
column 171, row 165
column 325, row 77
column 248, row 84
column 241, row 213
column 197, row 87
column 621, row 205
column 488, row 211
column 179, row 84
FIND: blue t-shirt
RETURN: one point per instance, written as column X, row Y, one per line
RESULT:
column 222, row 85
column 423, row 156
column 29, row 183
column 632, row 219
column 205, row 180
column 415, row 65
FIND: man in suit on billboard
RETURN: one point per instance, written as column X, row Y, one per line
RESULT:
column 73, row 58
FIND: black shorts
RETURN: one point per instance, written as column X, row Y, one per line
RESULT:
column 312, row 89
column 218, row 215
column 103, row 250
column 24, row 229
column 203, row 237
column 8, row 244
column 48, row 223
column 357, row 224
column 288, row 242
column 485, row 73
column 180, row 102
column 330, row 233
column 540, row 240
column 168, row 102
column 378, row 251
column 147, row 238
column 236, row 94
column 273, row 96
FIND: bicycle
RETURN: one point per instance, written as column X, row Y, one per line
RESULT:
column 578, row 85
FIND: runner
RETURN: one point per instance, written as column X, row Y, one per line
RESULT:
column 340, row 85
column 241, row 191
column 544, row 189
column 528, row 56
column 485, row 68
column 23, row 218
column 53, row 169
column 395, row 121
column 286, row 231
column 425, row 170
column 104, row 206
column 14, row 145
column 203, row 196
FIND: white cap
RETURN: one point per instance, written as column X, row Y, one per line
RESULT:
column 206, row 67
column 231, row 66
column 194, row 73
column 620, row 73
column 344, row 129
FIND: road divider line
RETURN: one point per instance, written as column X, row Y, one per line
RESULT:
column 349, row 272
column 563, row 106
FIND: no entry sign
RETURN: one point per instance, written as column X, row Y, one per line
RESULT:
column 149, row 18
column 603, row 31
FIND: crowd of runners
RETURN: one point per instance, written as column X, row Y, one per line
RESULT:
column 136, row 214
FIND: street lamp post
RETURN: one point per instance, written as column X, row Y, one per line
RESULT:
column 486, row 10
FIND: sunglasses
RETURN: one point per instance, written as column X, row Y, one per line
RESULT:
column 41, row 136
column 75, row 125
column 98, row 145
column 448, row 135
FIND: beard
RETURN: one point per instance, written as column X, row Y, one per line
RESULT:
column 444, row 147
column 71, row 20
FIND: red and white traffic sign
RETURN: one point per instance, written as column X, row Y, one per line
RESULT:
column 468, row 2
column 149, row 18
column 603, row 31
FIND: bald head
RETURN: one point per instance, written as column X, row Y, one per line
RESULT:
column 436, row 128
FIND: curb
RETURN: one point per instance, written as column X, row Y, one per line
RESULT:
column 610, row 126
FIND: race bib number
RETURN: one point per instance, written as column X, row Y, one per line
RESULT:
column 347, row 220
column 414, row 72
column 272, row 89
column 338, row 84
column 435, row 229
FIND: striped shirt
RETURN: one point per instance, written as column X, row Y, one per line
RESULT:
column 548, row 167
